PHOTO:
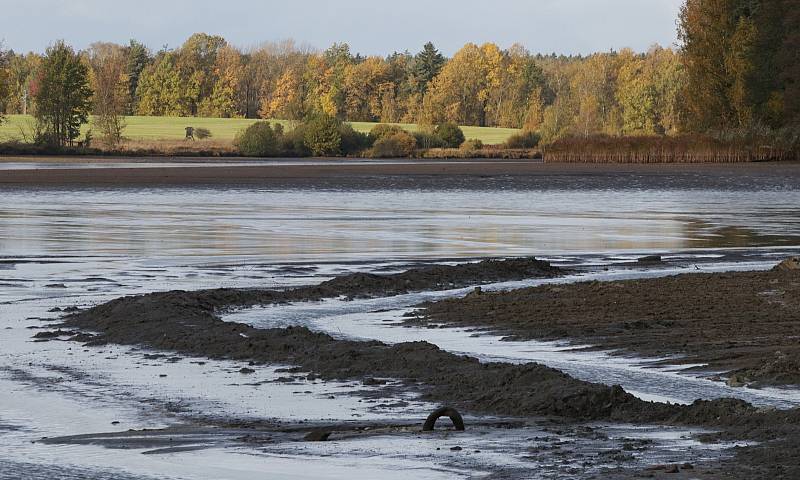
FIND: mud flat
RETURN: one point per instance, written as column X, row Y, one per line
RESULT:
column 407, row 174
column 742, row 325
column 188, row 323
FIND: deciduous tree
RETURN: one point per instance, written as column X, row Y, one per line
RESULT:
column 461, row 92
column 227, row 74
column 62, row 94
column 110, row 83
column 196, row 60
column 160, row 91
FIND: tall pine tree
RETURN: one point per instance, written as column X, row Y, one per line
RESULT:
column 138, row 59
column 428, row 64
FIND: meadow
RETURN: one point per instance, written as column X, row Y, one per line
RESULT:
column 151, row 129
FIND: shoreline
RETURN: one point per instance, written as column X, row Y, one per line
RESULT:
column 358, row 173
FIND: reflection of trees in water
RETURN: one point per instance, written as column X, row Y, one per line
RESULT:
column 706, row 235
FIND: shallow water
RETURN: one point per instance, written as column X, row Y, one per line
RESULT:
column 61, row 247
column 202, row 225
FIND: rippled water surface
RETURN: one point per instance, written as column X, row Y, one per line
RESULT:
column 198, row 224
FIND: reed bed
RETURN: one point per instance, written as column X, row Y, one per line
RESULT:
column 662, row 149
column 487, row 152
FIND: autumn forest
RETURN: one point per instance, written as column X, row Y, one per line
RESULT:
column 736, row 70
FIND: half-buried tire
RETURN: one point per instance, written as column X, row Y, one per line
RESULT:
column 451, row 413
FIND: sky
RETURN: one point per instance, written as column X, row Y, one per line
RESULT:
column 371, row 27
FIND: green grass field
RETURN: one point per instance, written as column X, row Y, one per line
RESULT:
column 224, row 129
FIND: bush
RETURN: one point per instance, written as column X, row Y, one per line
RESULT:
column 523, row 140
column 260, row 140
column 429, row 140
column 400, row 144
column 321, row 136
column 451, row 134
column 293, row 142
column 383, row 130
column 353, row 142
column 202, row 133
column 471, row 145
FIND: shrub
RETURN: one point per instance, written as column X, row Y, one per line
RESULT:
column 321, row 135
column 451, row 134
column 523, row 140
column 260, row 140
column 202, row 133
column 353, row 142
column 471, row 145
column 293, row 142
column 400, row 144
column 383, row 130
column 429, row 140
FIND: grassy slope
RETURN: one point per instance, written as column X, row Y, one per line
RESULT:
column 172, row 128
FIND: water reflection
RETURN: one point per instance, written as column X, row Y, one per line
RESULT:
column 311, row 225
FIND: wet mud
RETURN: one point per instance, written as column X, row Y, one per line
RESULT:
column 741, row 324
column 188, row 323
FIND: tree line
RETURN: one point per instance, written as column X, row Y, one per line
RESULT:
column 736, row 68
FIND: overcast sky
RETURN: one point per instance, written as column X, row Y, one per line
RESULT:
column 369, row 26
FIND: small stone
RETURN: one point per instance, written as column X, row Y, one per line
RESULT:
column 246, row 371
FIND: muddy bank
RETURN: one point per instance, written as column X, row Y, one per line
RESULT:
column 461, row 174
column 744, row 324
column 187, row 323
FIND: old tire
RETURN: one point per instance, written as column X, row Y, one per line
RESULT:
column 451, row 413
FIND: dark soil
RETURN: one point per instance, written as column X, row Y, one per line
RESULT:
column 187, row 323
column 744, row 324
column 418, row 174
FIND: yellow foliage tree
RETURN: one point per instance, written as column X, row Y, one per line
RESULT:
column 461, row 91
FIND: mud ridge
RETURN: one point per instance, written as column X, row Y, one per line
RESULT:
column 187, row 323
column 744, row 324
